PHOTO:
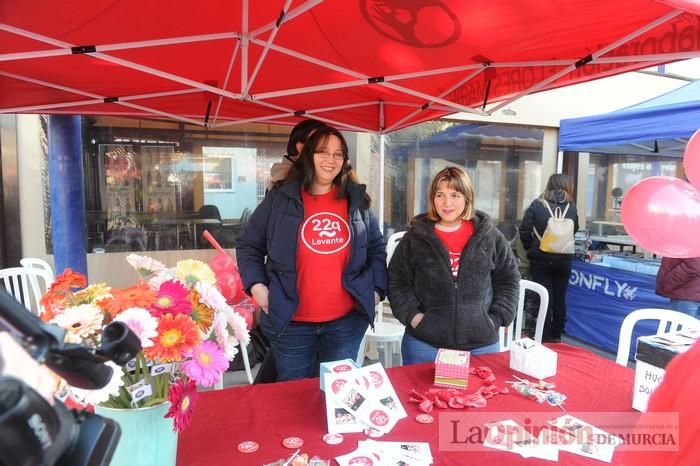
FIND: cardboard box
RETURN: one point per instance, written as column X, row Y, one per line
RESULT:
column 344, row 365
column 654, row 352
column 452, row 368
column 533, row 359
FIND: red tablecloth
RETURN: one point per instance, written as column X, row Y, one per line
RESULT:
column 269, row 413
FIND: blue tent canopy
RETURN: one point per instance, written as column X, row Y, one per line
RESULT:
column 659, row 126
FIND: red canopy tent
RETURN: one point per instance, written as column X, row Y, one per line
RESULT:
column 366, row 65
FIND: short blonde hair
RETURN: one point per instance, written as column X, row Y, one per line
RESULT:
column 456, row 179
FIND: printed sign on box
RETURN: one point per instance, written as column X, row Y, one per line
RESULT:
column 452, row 368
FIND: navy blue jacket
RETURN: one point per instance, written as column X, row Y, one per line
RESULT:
column 273, row 231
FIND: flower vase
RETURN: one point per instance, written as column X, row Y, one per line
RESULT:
column 147, row 437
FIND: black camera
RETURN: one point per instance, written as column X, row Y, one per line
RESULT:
column 32, row 431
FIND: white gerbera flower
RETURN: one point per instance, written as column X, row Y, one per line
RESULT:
column 224, row 339
column 237, row 324
column 211, row 296
column 82, row 320
column 158, row 279
column 144, row 265
column 142, row 323
column 95, row 397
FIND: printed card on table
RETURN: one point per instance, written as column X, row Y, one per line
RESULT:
column 356, row 399
column 340, row 420
column 374, row 378
column 404, row 453
column 589, row 441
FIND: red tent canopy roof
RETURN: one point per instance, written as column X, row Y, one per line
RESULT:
column 371, row 65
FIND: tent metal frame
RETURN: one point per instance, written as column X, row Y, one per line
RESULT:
column 245, row 38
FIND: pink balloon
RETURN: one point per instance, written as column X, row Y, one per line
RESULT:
column 691, row 160
column 662, row 214
column 228, row 284
column 222, row 263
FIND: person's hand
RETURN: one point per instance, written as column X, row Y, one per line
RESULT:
column 417, row 319
column 377, row 298
column 260, row 294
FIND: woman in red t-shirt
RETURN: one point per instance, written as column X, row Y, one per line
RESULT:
column 453, row 279
column 313, row 258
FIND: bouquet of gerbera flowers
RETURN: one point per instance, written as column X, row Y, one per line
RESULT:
column 187, row 330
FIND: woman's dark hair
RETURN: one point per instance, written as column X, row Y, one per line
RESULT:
column 559, row 182
column 300, row 133
column 305, row 164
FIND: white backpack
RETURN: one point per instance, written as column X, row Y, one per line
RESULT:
column 558, row 237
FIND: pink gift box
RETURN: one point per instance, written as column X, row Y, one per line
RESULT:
column 452, row 368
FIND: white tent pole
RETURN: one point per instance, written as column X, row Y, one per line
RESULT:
column 97, row 96
column 228, row 75
column 309, row 89
column 303, row 8
column 165, row 75
column 381, row 116
column 81, row 103
column 65, row 48
column 266, row 48
column 428, row 97
column 380, row 209
column 660, row 57
column 310, row 111
column 245, row 41
column 599, row 53
column 459, row 83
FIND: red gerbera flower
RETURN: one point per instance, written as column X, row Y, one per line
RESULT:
column 172, row 298
column 59, row 292
column 182, row 396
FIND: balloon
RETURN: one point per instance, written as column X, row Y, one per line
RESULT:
column 228, row 284
column 691, row 160
column 662, row 214
column 222, row 263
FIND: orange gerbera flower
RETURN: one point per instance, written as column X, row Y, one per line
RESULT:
column 201, row 314
column 136, row 296
column 176, row 336
column 60, row 292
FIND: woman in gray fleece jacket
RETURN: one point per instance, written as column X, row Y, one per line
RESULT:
column 453, row 279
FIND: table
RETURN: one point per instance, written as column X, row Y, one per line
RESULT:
column 269, row 413
column 618, row 240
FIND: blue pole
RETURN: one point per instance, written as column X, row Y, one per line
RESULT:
column 68, row 230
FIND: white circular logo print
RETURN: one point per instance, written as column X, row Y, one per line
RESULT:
column 325, row 233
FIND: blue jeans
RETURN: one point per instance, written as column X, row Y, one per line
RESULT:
column 415, row 351
column 686, row 307
column 302, row 345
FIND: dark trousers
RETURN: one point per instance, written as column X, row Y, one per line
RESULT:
column 553, row 275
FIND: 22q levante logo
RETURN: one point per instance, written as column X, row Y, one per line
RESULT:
column 325, row 233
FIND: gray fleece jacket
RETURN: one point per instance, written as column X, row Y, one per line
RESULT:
column 462, row 314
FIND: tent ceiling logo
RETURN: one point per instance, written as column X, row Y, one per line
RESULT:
column 418, row 23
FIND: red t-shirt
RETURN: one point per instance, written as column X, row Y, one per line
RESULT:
column 455, row 242
column 322, row 252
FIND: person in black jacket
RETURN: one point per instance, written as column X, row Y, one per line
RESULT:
column 549, row 269
column 453, row 279
column 314, row 259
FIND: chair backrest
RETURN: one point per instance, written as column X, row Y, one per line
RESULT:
column 669, row 321
column 21, row 283
column 391, row 244
column 209, row 211
column 514, row 330
column 34, row 263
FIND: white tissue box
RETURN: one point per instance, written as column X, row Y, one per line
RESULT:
column 532, row 358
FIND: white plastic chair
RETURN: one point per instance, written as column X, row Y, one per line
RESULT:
column 386, row 334
column 22, row 284
column 669, row 321
column 246, row 363
column 34, row 263
column 515, row 329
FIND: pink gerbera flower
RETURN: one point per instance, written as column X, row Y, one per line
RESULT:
column 172, row 298
column 205, row 364
column 182, row 396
